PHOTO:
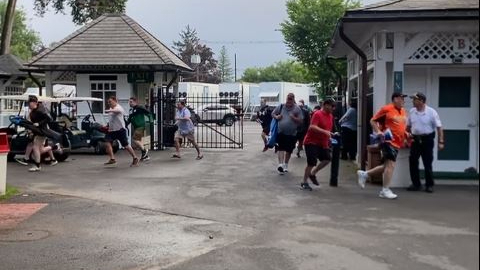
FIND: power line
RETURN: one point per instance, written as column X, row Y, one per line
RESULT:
column 233, row 42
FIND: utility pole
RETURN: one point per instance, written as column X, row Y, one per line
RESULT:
column 8, row 27
column 235, row 67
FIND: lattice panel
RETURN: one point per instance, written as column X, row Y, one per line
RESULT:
column 440, row 47
column 66, row 76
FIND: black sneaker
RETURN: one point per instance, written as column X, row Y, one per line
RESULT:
column 23, row 161
column 313, row 178
column 144, row 158
column 306, row 186
column 414, row 188
column 144, row 154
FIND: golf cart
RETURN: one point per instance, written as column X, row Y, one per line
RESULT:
column 19, row 130
column 91, row 134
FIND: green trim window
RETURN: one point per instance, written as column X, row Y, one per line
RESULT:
column 454, row 92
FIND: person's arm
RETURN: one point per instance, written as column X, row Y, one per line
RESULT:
column 277, row 113
column 381, row 114
column 116, row 110
column 438, row 124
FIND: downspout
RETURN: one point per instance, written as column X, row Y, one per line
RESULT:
column 340, row 85
column 35, row 80
column 362, row 95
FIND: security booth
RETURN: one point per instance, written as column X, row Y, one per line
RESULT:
column 409, row 46
column 114, row 56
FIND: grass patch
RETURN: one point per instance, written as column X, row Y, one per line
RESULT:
column 11, row 191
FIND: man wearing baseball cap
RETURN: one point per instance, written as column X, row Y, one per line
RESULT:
column 393, row 117
column 422, row 123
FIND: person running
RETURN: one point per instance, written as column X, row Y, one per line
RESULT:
column 136, row 117
column 394, row 118
column 302, row 129
column 289, row 117
column 264, row 117
column 317, row 143
column 28, row 154
column 40, row 118
column 422, row 123
column 348, row 124
column 117, row 131
column 185, row 129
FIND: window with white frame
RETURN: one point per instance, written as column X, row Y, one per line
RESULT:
column 12, row 105
column 104, row 87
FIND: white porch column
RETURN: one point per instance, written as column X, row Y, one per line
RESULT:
column 380, row 87
column 48, row 91
column 398, row 62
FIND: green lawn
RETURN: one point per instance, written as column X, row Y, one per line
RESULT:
column 11, row 191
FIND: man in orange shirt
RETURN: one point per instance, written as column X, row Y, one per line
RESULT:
column 391, row 117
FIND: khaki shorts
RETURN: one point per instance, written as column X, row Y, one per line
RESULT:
column 138, row 134
column 190, row 136
column 39, row 140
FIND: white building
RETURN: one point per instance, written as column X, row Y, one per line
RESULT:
column 275, row 93
column 418, row 45
column 198, row 89
column 249, row 91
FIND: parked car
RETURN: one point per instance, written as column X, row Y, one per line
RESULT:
column 219, row 114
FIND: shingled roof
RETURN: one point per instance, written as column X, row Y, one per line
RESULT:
column 10, row 65
column 112, row 39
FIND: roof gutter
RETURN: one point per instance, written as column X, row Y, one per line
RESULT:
column 362, row 95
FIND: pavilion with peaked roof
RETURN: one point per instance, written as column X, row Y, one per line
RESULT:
column 407, row 46
column 111, row 56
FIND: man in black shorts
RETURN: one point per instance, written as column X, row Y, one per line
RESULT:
column 317, row 143
column 264, row 117
column 289, row 117
column 117, row 131
column 302, row 129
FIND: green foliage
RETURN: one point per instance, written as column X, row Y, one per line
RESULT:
column 25, row 41
column 308, row 31
column 286, row 71
column 224, row 66
column 188, row 45
column 82, row 10
column 10, row 192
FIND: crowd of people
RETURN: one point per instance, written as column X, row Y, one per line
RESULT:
column 392, row 126
column 297, row 128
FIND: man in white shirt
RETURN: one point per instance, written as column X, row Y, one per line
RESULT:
column 422, row 124
column 117, row 131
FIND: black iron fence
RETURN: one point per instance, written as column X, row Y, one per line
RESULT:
column 217, row 119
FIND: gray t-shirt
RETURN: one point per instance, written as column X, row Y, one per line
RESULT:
column 349, row 120
column 286, row 125
column 184, row 125
column 116, row 121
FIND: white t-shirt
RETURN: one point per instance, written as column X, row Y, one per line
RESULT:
column 425, row 122
column 116, row 121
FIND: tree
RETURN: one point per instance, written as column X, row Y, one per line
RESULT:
column 82, row 10
column 286, row 71
column 224, row 66
column 189, row 45
column 308, row 31
column 7, row 27
column 24, row 41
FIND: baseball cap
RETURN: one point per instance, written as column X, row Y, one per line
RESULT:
column 398, row 94
column 420, row 96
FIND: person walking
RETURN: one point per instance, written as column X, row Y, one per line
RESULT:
column 289, row 117
column 348, row 124
column 185, row 129
column 117, row 131
column 136, row 117
column 317, row 143
column 422, row 123
column 302, row 129
column 264, row 117
column 393, row 118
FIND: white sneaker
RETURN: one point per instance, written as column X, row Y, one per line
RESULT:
column 285, row 167
column 34, row 168
column 362, row 178
column 387, row 194
column 280, row 169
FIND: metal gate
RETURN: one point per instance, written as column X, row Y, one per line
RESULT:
column 217, row 119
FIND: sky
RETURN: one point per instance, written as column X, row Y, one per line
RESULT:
column 247, row 28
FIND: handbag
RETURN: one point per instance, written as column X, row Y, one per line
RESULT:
column 272, row 140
